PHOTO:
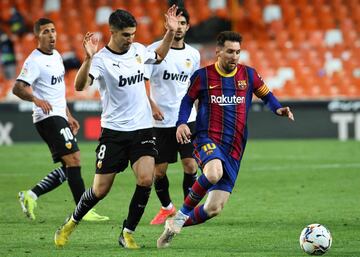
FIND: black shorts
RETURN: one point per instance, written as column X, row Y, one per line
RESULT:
column 56, row 132
column 117, row 148
column 167, row 146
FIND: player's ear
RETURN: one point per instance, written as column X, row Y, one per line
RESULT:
column 217, row 51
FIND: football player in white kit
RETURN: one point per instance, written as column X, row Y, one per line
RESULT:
column 126, row 118
column 169, row 82
column 41, row 81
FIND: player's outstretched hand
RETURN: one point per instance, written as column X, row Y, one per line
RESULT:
column 285, row 111
column 90, row 44
column 43, row 104
column 183, row 134
column 171, row 19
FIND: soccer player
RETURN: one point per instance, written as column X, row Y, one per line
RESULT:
column 44, row 72
column 126, row 119
column 168, row 84
column 224, row 91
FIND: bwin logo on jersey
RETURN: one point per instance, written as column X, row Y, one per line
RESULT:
column 55, row 79
column 131, row 80
column 227, row 100
column 175, row 76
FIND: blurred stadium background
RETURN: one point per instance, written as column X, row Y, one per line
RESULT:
column 305, row 50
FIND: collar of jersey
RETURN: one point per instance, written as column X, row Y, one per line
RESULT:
column 114, row 52
column 231, row 74
column 44, row 52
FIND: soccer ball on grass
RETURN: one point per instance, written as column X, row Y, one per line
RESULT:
column 315, row 239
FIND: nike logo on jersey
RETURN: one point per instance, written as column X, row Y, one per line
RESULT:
column 175, row 76
column 117, row 65
column 213, row 86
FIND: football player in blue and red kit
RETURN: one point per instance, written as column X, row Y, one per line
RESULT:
column 224, row 91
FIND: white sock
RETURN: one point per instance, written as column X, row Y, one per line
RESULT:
column 32, row 195
column 128, row 230
column 169, row 207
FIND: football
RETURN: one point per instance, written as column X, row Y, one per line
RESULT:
column 315, row 239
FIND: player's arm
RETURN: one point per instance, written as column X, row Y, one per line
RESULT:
column 156, row 112
column 183, row 133
column 171, row 25
column 270, row 100
column 22, row 90
column 83, row 79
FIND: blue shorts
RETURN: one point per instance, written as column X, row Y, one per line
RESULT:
column 206, row 150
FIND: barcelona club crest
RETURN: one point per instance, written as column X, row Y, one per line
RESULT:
column 242, row 84
column 68, row 145
column 138, row 58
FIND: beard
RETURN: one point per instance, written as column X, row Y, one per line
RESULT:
column 178, row 38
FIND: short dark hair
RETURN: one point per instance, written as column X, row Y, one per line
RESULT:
column 184, row 13
column 40, row 22
column 121, row 19
column 228, row 36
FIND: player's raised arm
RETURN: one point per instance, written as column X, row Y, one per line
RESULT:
column 90, row 45
column 171, row 25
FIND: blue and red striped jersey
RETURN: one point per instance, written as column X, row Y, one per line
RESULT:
column 224, row 101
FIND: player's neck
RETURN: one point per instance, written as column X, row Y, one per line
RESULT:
column 178, row 44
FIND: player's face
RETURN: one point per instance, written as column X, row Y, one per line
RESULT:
column 47, row 38
column 182, row 28
column 228, row 55
column 123, row 38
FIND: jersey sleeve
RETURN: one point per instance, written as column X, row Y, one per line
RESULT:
column 195, row 83
column 189, row 99
column 96, row 68
column 197, row 61
column 263, row 92
column 29, row 72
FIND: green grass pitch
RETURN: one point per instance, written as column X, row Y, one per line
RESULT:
column 282, row 186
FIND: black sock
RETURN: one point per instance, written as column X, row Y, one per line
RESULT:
column 76, row 183
column 87, row 201
column 162, row 190
column 137, row 206
column 50, row 182
column 188, row 181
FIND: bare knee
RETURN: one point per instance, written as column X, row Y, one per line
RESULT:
column 101, row 192
column 189, row 165
column 72, row 160
column 144, row 180
column 160, row 171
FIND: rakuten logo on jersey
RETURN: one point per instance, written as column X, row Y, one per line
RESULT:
column 131, row 80
column 227, row 100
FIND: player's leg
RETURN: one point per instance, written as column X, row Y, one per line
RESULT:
column 212, row 173
column 143, row 169
column 166, row 146
column 214, row 204
column 190, row 174
column 27, row 198
column 142, row 161
column 48, row 129
column 188, row 162
column 161, row 184
column 101, row 186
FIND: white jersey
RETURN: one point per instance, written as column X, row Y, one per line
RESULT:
column 170, row 80
column 122, row 87
column 45, row 74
